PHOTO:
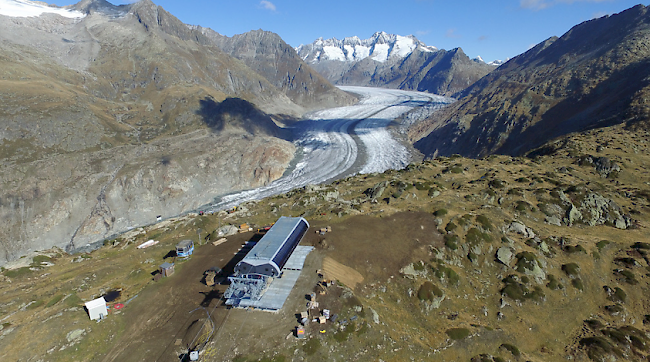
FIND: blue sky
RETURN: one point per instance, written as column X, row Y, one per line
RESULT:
column 492, row 29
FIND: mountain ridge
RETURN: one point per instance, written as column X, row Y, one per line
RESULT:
column 592, row 76
column 393, row 61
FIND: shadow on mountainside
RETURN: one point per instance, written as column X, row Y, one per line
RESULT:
column 237, row 114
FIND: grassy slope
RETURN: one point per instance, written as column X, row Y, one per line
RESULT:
column 378, row 239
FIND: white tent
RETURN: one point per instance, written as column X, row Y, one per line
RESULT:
column 97, row 308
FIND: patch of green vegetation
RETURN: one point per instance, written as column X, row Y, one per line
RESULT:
column 614, row 309
column 475, row 236
column 484, row 222
column 512, row 349
column 516, row 191
column 577, row 283
column 39, row 259
column 601, row 244
column 525, row 261
column 429, row 291
column 627, row 262
column 619, row 295
column 419, row 266
column 522, row 180
column 451, row 227
column 627, row 276
column 523, row 206
column 627, row 336
column 497, row 184
column 36, row 304
column 440, row 212
column 598, row 348
column 571, row 269
column 444, row 272
column 515, row 290
column 594, row 324
column 458, row 333
column 553, row 283
column 73, row 300
column 57, row 298
column 451, row 241
column 574, row 249
column 311, row 347
column 422, row 186
column 641, row 245
column 18, row 272
column 343, row 335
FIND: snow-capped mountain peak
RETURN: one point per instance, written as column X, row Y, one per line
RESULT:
column 27, row 8
column 381, row 47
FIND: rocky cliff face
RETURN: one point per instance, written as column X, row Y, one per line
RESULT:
column 392, row 61
column 126, row 113
column 593, row 76
column 267, row 54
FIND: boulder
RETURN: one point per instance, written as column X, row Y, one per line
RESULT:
column 520, row 228
column 505, row 254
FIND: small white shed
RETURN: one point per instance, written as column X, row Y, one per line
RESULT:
column 97, row 308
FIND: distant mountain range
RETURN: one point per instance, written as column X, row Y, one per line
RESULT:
column 393, row 61
column 595, row 75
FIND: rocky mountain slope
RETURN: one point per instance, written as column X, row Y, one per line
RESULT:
column 593, row 76
column 268, row 55
column 112, row 115
column 393, row 61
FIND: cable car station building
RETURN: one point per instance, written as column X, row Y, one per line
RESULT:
column 266, row 275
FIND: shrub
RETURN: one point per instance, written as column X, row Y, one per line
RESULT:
column 428, row 291
column 553, row 283
column 419, row 266
column 594, row 324
column 38, row 259
column 497, row 184
column 598, row 348
column 522, row 180
column 444, row 272
column 603, row 243
column 512, row 349
column 525, row 261
column 627, row 276
column 571, row 269
column 451, row 226
column 457, row 333
column 475, row 236
column 485, row 222
column 577, row 283
column 575, row 249
column 451, row 241
column 440, row 212
column 619, row 295
column 641, row 245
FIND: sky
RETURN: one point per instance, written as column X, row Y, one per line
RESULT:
column 491, row 29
